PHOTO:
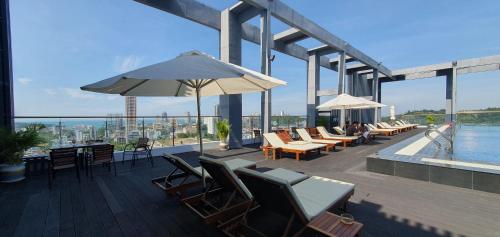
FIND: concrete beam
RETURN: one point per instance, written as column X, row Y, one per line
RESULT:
column 205, row 15
column 464, row 66
column 322, row 50
column 265, row 60
column 244, row 11
column 294, row 19
column 327, row 92
column 312, row 89
column 291, row 35
column 357, row 67
column 335, row 61
column 230, row 51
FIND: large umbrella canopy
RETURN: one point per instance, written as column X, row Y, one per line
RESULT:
column 342, row 101
column 182, row 76
column 190, row 74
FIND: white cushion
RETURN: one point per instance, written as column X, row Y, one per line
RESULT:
column 304, row 147
column 290, row 176
column 325, row 141
column 317, row 194
column 298, row 143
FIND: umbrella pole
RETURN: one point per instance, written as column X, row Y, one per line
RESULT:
column 199, row 132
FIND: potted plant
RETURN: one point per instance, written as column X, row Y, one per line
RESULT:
column 12, row 148
column 430, row 121
column 223, row 129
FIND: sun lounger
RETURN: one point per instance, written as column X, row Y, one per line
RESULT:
column 403, row 123
column 185, row 176
column 387, row 126
column 302, row 202
column 297, row 149
column 408, row 126
column 231, row 197
column 344, row 139
column 304, row 135
column 383, row 131
column 404, row 127
column 287, row 139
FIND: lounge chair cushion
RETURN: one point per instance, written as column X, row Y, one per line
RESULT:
column 290, row 176
column 306, row 137
column 303, row 147
column 298, row 143
column 317, row 194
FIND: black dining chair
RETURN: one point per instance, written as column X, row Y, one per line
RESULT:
column 141, row 148
column 63, row 158
column 101, row 154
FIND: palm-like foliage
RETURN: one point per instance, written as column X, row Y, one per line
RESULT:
column 223, row 128
column 13, row 144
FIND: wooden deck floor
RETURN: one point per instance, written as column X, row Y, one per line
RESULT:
column 129, row 205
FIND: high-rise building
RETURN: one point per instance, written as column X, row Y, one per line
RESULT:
column 164, row 117
column 216, row 110
column 131, row 112
column 188, row 115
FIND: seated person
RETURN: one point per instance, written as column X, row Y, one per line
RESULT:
column 352, row 129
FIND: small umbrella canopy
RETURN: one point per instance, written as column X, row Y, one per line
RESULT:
column 342, row 101
column 370, row 104
column 190, row 74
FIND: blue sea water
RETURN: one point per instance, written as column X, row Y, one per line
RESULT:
column 477, row 144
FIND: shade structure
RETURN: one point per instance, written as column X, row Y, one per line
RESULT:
column 370, row 104
column 190, row 74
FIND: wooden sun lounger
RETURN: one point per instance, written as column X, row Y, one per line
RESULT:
column 301, row 203
column 285, row 137
column 383, row 131
column 185, row 177
column 305, row 136
column 232, row 197
column 381, row 125
column 344, row 139
column 297, row 149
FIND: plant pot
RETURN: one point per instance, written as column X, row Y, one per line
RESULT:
column 223, row 146
column 12, row 173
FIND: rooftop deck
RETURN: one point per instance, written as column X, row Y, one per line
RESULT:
column 129, row 205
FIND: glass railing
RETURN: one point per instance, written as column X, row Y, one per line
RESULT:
column 251, row 123
column 119, row 130
column 484, row 117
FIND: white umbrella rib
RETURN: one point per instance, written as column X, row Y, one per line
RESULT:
column 222, row 89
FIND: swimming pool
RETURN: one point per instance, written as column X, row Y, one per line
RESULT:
column 477, row 143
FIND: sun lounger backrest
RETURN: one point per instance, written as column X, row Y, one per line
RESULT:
column 371, row 126
column 274, row 140
column 224, row 176
column 272, row 193
column 181, row 164
column 339, row 130
column 284, row 136
column 322, row 131
column 382, row 125
column 386, row 124
column 304, row 135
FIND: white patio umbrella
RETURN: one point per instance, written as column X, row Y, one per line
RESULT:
column 343, row 102
column 190, row 74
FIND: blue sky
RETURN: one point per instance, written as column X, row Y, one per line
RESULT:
column 60, row 45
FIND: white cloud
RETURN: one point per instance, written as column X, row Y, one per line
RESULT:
column 128, row 63
column 78, row 94
column 50, row 92
column 24, row 80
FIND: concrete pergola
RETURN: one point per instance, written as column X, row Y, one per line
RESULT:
column 358, row 73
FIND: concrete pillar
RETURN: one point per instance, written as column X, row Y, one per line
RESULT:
column 341, row 87
column 6, row 88
column 451, row 95
column 312, row 88
column 230, row 51
column 375, row 95
column 265, row 60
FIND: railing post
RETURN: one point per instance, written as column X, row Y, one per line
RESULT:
column 60, row 132
column 143, row 135
column 106, row 130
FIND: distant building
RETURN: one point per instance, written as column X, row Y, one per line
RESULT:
column 188, row 115
column 131, row 112
column 164, row 117
column 210, row 123
column 216, row 110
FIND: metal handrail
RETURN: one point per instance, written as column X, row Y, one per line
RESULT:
column 437, row 143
